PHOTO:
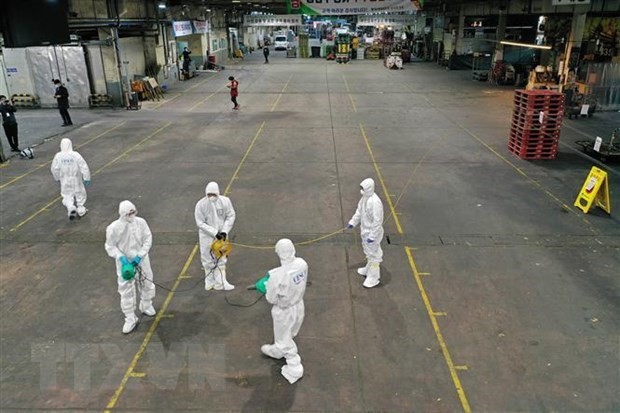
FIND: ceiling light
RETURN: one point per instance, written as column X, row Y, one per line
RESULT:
column 162, row 5
column 236, row 1
column 531, row 46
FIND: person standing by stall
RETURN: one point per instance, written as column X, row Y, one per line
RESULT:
column 186, row 61
column 355, row 44
column 7, row 111
column 62, row 97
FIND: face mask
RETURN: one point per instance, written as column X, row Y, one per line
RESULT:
column 130, row 218
column 212, row 199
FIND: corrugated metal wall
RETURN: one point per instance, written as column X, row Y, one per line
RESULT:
column 31, row 70
column 605, row 78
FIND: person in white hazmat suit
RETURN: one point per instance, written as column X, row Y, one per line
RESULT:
column 215, row 217
column 128, row 241
column 285, row 288
column 71, row 170
column 369, row 214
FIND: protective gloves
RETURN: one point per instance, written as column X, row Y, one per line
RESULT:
column 349, row 226
column 86, row 183
column 136, row 261
column 221, row 235
column 370, row 240
column 124, row 260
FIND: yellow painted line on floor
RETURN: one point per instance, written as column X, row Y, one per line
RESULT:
column 520, row 171
column 432, row 314
column 140, row 375
column 399, row 228
column 281, row 92
column 149, row 334
column 171, row 315
column 442, row 343
column 346, row 84
column 425, row 273
column 100, row 135
column 162, row 312
column 197, row 84
column 464, row 368
column 17, row 178
column 276, row 103
column 531, row 180
column 31, row 217
column 349, row 92
column 132, row 148
column 205, row 99
column 352, row 103
column 167, row 101
column 245, row 155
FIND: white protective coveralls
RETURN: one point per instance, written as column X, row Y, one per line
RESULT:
column 213, row 215
column 286, row 287
column 71, row 170
column 370, row 214
column 130, row 236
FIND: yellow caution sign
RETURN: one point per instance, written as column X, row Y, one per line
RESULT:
column 595, row 189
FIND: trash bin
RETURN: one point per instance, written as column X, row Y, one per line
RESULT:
column 291, row 51
column 316, row 51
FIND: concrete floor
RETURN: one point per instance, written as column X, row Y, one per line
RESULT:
column 497, row 295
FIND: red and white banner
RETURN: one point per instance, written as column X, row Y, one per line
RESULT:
column 183, row 28
column 201, row 26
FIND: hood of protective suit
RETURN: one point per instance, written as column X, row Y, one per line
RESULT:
column 212, row 188
column 124, row 208
column 368, row 187
column 66, row 145
column 285, row 250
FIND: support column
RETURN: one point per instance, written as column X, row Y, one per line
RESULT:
column 110, row 67
column 573, row 46
column 500, row 35
column 460, row 31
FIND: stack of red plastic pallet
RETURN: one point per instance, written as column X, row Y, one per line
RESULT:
column 534, row 135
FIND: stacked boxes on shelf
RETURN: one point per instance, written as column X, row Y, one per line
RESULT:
column 536, row 124
column 372, row 53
